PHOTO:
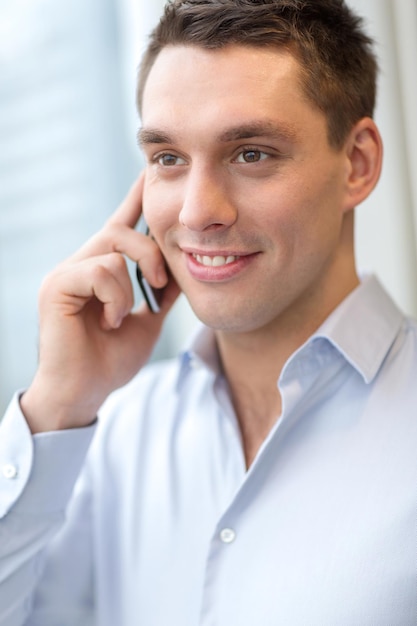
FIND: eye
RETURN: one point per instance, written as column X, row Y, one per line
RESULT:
column 168, row 160
column 251, row 155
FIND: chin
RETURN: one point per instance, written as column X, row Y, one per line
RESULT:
column 231, row 309
column 222, row 317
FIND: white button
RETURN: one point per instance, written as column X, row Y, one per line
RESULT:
column 9, row 470
column 227, row 535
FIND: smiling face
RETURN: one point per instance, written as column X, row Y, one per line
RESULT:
column 243, row 193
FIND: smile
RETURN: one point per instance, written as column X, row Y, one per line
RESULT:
column 214, row 261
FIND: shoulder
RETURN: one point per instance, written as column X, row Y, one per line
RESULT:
column 156, row 380
column 404, row 347
column 134, row 416
column 160, row 396
column 395, row 383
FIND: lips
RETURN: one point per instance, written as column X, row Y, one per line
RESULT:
column 214, row 261
column 217, row 266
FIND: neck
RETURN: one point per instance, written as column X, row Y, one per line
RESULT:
column 253, row 361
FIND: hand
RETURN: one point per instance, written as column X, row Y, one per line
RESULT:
column 91, row 342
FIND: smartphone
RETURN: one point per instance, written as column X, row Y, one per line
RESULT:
column 152, row 296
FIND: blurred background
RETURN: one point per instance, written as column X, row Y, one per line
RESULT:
column 68, row 152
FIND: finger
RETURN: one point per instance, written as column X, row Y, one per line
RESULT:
column 118, row 234
column 110, row 293
column 105, row 278
column 152, row 266
column 112, row 238
column 121, row 239
column 118, row 228
column 130, row 209
column 169, row 297
column 171, row 293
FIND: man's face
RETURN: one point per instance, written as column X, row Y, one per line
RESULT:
column 243, row 193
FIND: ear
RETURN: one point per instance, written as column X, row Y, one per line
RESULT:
column 363, row 150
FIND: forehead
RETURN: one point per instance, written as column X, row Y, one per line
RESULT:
column 191, row 87
column 187, row 69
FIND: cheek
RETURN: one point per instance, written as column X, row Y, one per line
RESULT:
column 160, row 208
column 280, row 214
column 300, row 226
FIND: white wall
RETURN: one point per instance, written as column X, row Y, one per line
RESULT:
column 386, row 222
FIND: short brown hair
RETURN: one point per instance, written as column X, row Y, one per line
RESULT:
column 338, row 65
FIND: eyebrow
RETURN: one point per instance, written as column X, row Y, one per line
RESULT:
column 152, row 135
column 283, row 132
column 258, row 129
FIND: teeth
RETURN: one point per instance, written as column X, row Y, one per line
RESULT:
column 214, row 261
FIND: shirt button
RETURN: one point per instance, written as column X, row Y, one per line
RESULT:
column 9, row 471
column 227, row 535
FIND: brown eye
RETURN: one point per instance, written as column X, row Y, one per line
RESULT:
column 168, row 160
column 251, row 156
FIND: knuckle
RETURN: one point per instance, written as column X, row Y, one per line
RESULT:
column 99, row 273
column 112, row 234
column 49, row 283
column 112, row 264
column 117, row 262
column 149, row 252
column 45, row 288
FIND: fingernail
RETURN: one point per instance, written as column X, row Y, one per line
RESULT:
column 161, row 275
column 118, row 322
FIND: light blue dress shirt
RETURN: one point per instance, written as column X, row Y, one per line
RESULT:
column 166, row 527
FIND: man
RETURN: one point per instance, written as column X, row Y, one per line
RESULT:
column 268, row 476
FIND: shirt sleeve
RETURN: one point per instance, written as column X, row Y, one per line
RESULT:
column 37, row 478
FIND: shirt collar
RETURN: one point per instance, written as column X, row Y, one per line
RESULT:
column 202, row 351
column 362, row 328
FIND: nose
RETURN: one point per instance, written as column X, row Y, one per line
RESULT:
column 206, row 203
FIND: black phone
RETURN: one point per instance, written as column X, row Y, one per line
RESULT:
column 151, row 295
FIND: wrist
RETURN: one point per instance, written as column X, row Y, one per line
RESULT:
column 45, row 413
